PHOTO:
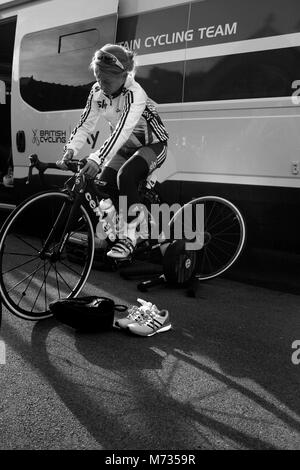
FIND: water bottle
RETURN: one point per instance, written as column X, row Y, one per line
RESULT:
column 106, row 227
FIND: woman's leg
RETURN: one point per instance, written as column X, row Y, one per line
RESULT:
column 129, row 177
column 135, row 223
column 109, row 176
column 136, row 169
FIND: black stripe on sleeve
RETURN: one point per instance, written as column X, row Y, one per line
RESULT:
column 109, row 143
column 84, row 115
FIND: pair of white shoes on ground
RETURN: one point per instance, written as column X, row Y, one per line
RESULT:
column 145, row 320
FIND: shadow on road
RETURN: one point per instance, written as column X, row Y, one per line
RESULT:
column 213, row 381
column 123, row 410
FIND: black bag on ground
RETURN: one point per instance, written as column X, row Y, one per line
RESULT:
column 179, row 264
column 87, row 314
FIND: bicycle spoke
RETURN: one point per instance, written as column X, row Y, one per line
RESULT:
column 225, row 231
column 210, row 252
column 20, row 265
column 24, row 279
column 218, row 247
column 25, row 242
column 227, row 242
column 6, row 253
column 207, row 217
column 45, row 296
column 23, row 293
column 206, row 257
column 218, row 222
column 70, row 268
column 65, row 282
column 41, row 287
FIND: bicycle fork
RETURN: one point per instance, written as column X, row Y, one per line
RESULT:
column 64, row 214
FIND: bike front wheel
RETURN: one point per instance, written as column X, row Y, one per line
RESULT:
column 215, row 228
column 35, row 268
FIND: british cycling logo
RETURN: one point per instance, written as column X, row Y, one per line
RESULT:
column 49, row 136
column 41, row 136
column 35, row 138
column 296, row 354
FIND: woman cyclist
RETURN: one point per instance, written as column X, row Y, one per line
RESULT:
column 137, row 143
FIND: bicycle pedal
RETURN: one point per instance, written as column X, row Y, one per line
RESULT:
column 125, row 262
column 120, row 263
column 143, row 246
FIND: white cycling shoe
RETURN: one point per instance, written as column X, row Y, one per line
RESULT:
column 122, row 249
column 128, row 238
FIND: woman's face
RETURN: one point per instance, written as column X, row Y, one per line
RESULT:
column 109, row 82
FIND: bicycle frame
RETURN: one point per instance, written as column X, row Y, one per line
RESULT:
column 89, row 192
column 81, row 190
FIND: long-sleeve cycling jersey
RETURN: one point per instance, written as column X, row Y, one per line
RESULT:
column 132, row 116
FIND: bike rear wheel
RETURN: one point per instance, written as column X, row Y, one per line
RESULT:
column 217, row 226
column 31, row 277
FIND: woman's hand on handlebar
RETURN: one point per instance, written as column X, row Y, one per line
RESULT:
column 90, row 169
column 68, row 155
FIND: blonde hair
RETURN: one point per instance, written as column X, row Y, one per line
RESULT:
column 124, row 55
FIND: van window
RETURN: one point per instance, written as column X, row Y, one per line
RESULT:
column 218, row 22
column 77, row 41
column 54, row 63
column 162, row 82
column 262, row 74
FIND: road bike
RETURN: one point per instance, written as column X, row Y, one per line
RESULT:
column 39, row 239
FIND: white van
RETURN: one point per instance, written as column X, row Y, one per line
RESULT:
column 225, row 75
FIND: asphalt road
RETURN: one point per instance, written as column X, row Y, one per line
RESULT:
column 221, row 378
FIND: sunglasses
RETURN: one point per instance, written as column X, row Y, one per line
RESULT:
column 109, row 59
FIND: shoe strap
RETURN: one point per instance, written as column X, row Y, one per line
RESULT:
column 124, row 243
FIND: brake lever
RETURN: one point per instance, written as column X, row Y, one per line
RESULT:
column 34, row 162
column 40, row 166
column 73, row 165
column 76, row 165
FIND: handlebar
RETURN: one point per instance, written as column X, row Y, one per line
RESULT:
column 73, row 165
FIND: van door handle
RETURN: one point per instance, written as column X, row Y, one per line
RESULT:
column 21, row 141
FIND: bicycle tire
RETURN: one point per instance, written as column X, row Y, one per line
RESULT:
column 29, row 281
column 221, row 242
